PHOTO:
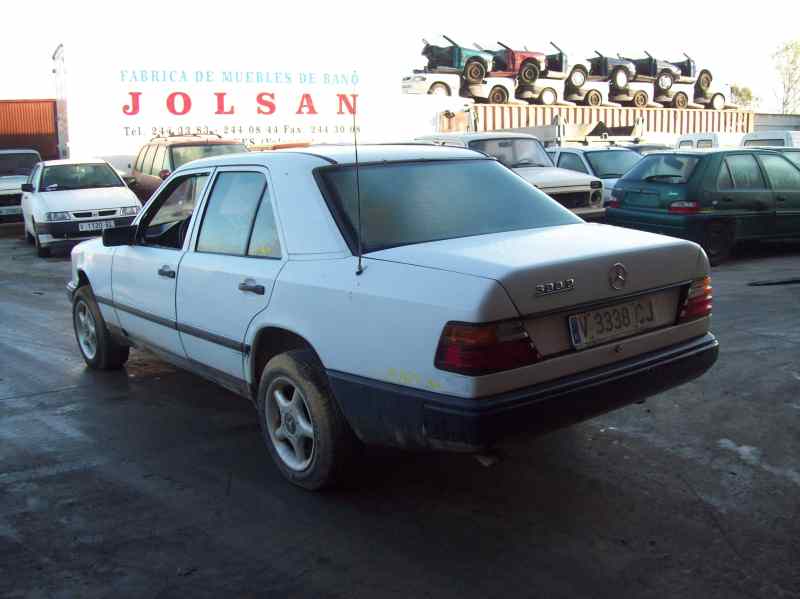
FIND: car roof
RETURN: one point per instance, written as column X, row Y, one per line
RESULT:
column 345, row 154
column 467, row 137
column 19, row 151
column 589, row 149
column 708, row 151
column 173, row 140
column 64, row 162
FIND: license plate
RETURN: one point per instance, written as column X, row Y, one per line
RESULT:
column 10, row 209
column 613, row 322
column 97, row 225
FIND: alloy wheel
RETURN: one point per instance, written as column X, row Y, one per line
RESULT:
column 290, row 424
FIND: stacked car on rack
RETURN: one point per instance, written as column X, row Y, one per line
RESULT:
column 502, row 75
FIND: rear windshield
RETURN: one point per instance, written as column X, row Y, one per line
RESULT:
column 183, row 154
column 664, row 168
column 403, row 203
column 763, row 142
column 793, row 156
column 17, row 164
column 79, row 176
column 514, row 152
column 612, row 164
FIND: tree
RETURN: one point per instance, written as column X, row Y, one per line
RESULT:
column 743, row 96
column 787, row 63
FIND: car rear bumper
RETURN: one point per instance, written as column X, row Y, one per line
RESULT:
column 689, row 227
column 393, row 415
column 68, row 231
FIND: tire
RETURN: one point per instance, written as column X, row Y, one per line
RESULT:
column 665, row 81
column 498, row 95
column 529, row 73
column 718, row 242
column 717, row 102
column 41, row 251
column 439, row 89
column 680, row 100
column 704, row 81
column 640, row 99
column 99, row 349
column 475, row 71
column 28, row 237
column 548, row 97
column 303, row 428
column 578, row 77
column 620, row 78
column 593, row 98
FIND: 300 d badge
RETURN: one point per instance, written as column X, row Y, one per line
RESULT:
column 555, row 287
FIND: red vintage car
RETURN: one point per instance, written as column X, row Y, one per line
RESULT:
column 524, row 65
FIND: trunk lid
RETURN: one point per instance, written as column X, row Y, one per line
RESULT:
column 649, row 195
column 585, row 252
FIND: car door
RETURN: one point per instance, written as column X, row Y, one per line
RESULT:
column 144, row 274
column 748, row 200
column 227, row 276
column 28, row 198
column 784, row 178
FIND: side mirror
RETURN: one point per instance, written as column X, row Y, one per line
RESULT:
column 27, row 187
column 116, row 236
column 163, row 174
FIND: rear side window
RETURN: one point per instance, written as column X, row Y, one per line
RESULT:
column 704, row 143
column 140, row 159
column 686, row 144
column 745, row 171
column 230, row 211
column 782, row 173
column 724, row 180
column 663, row 168
column 571, row 162
column 763, row 142
column 158, row 161
column 148, row 160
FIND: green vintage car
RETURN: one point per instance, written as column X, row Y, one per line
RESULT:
column 471, row 63
column 715, row 198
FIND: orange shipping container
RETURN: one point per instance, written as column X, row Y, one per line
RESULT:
column 29, row 124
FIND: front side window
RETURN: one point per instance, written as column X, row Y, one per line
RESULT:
column 704, row 144
column 167, row 221
column 763, row 142
column 230, row 211
column 79, row 176
column 183, row 154
column 724, row 179
column 571, row 162
column 514, row 152
column 745, row 171
column 18, row 164
column 782, row 173
column 687, row 143
column 612, row 164
column 663, row 168
column 403, row 203
column 158, row 161
column 147, row 166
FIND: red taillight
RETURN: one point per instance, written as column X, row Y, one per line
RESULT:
column 613, row 203
column 684, row 207
column 476, row 349
column 698, row 301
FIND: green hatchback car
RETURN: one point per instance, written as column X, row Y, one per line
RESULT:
column 715, row 198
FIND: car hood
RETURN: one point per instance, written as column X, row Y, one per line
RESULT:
column 585, row 252
column 12, row 182
column 552, row 177
column 88, row 199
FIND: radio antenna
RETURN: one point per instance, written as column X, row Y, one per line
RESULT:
column 360, row 267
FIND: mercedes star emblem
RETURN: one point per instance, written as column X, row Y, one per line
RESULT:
column 618, row 276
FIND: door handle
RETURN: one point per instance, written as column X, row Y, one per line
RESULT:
column 166, row 271
column 727, row 199
column 251, row 286
column 781, row 198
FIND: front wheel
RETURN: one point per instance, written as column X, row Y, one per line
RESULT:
column 475, row 72
column 529, row 73
column 718, row 242
column 640, row 99
column 577, row 78
column 680, row 100
column 439, row 89
column 548, row 97
column 620, row 78
column 99, row 349
column 704, row 81
column 498, row 95
column 305, row 433
column 717, row 102
column 665, row 81
column 593, row 98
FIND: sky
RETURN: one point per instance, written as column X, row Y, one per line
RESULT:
column 735, row 41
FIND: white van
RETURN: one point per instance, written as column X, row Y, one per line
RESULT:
column 784, row 139
column 699, row 141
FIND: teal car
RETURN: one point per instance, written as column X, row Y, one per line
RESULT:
column 472, row 64
column 715, row 198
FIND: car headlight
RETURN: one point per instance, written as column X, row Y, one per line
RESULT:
column 129, row 210
column 56, row 216
column 419, row 78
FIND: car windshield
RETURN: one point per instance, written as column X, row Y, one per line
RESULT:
column 666, row 168
column 17, row 164
column 183, row 154
column 404, row 203
column 79, row 176
column 514, row 152
column 612, row 164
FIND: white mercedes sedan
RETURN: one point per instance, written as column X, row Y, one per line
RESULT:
column 69, row 200
column 430, row 298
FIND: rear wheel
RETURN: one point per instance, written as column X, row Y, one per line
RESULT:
column 665, row 81
column 593, row 98
column 619, row 77
column 439, row 89
column 305, row 433
column 718, row 242
column 640, row 99
column 578, row 77
column 529, row 73
column 99, row 349
column 704, row 81
column 717, row 102
column 680, row 100
column 498, row 95
column 548, row 97
column 475, row 71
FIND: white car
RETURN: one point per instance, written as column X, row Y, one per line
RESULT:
column 68, row 200
column 15, row 168
column 606, row 163
column 525, row 155
column 430, row 298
